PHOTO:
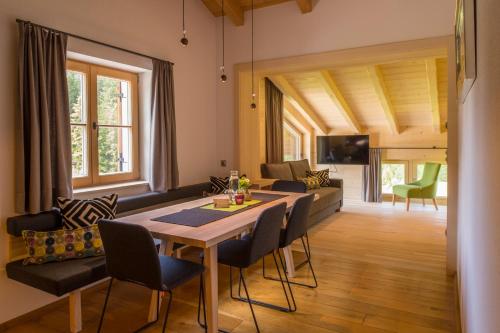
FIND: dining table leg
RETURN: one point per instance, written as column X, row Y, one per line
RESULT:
column 211, row 288
column 166, row 249
column 290, row 265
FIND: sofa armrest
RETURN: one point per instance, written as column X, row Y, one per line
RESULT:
column 335, row 182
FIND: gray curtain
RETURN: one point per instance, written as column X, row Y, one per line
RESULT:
column 274, row 123
column 372, row 177
column 43, row 137
column 164, row 170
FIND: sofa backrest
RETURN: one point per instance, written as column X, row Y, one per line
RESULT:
column 292, row 170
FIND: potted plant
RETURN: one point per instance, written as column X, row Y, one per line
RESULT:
column 243, row 186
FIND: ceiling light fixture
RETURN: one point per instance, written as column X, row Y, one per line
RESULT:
column 253, row 105
column 184, row 41
column 223, row 76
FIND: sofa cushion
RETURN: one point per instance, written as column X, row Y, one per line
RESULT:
column 323, row 175
column 299, row 168
column 326, row 196
column 77, row 213
column 59, row 278
column 311, row 182
column 280, row 171
column 63, row 244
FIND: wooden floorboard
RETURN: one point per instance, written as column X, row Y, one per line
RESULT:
column 380, row 270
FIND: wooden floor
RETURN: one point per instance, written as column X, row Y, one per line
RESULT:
column 380, row 270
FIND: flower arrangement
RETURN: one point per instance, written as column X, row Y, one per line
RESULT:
column 244, row 183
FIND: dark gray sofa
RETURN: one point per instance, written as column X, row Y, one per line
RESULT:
column 329, row 198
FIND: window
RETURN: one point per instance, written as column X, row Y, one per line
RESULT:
column 442, row 190
column 291, row 143
column 393, row 173
column 104, row 124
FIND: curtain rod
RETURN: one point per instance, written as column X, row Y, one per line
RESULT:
column 408, row 148
column 94, row 41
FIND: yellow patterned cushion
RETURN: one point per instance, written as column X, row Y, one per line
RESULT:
column 311, row 182
column 62, row 244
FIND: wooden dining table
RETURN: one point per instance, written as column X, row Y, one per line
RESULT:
column 206, row 237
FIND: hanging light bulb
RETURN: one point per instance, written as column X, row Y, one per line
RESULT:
column 223, row 76
column 253, row 106
column 184, row 41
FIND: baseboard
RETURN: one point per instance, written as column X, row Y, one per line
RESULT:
column 37, row 313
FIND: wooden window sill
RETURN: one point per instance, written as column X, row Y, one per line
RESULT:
column 122, row 189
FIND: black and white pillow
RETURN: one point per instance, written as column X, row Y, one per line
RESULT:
column 322, row 175
column 218, row 184
column 83, row 213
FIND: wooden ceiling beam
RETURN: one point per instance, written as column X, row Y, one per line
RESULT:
column 232, row 9
column 305, row 6
column 432, row 83
column 331, row 88
column 381, row 90
column 306, row 109
column 297, row 116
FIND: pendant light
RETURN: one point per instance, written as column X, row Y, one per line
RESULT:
column 223, row 76
column 184, row 41
column 253, row 106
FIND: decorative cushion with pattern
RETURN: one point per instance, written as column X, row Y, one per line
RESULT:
column 83, row 213
column 219, row 184
column 62, row 244
column 322, row 175
column 311, row 182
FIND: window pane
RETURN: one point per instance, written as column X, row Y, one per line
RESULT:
column 113, row 102
column 79, row 151
column 291, row 144
column 76, row 90
column 392, row 174
column 115, row 150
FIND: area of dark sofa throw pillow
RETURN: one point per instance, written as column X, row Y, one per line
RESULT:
column 220, row 184
column 79, row 237
column 322, row 175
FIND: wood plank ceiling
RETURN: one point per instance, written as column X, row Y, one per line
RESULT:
column 390, row 97
column 235, row 9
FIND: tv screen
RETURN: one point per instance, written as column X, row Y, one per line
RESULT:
column 345, row 149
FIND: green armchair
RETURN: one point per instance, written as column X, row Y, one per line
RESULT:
column 424, row 188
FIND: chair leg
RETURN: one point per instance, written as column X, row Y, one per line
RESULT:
column 259, row 303
column 105, row 305
column 249, row 300
column 393, row 199
column 423, row 202
column 168, row 310
column 307, row 251
column 407, row 204
column 435, row 203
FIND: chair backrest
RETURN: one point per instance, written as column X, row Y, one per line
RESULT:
column 131, row 254
column 289, row 186
column 430, row 175
column 266, row 234
column 296, row 226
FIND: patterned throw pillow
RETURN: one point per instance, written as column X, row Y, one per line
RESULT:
column 219, row 184
column 62, row 244
column 83, row 213
column 322, row 175
column 311, row 182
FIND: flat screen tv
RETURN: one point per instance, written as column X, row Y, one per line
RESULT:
column 345, row 149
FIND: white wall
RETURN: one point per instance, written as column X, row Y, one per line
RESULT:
column 282, row 31
column 479, row 183
column 151, row 27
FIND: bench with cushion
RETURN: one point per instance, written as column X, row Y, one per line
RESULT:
column 329, row 199
column 71, row 276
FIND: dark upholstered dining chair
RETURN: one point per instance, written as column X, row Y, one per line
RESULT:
column 296, row 228
column 131, row 256
column 244, row 252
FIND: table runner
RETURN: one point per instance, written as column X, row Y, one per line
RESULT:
column 196, row 217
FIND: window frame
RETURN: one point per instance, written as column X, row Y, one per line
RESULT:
column 295, row 132
column 91, row 71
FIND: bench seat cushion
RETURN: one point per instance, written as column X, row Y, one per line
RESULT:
column 59, row 278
